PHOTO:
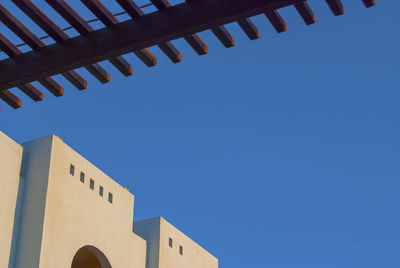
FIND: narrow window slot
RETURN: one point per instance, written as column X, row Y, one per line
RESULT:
column 72, row 170
column 101, row 190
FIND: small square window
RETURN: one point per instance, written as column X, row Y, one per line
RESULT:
column 82, row 179
column 91, row 184
column 181, row 250
column 110, row 197
column 101, row 190
column 170, row 242
column 72, row 170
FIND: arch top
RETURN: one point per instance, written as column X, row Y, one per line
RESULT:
column 90, row 257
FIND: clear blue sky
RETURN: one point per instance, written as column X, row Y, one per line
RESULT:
column 282, row 152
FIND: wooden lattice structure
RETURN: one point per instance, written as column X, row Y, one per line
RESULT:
column 117, row 38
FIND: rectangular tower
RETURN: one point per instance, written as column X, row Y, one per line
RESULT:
column 10, row 165
column 59, row 210
column 70, row 204
column 167, row 247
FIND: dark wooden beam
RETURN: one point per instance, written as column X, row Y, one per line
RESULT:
column 53, row 86
column 305, row 12
column 193, row 40
column 35, row 43
column 9, row 98
column 249, row 28
column 76, row 21
column 71, row 16
column 124, row 37
column 198, row 45
column 276, row 20
column 15, row 25
column 136, row 12
column 32, row 92
column 369, row 3
column 57, row 34
column 224, row 36
column 336, row 6
column 109, row 20
column 13, row 52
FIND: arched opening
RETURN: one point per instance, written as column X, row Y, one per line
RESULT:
column 90, row 257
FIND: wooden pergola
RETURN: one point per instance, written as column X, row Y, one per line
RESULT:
column 117, row 38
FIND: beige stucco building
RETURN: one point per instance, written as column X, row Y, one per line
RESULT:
column 59, row 210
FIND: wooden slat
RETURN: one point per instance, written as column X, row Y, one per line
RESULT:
column 152, row 29
column 336, row 6
column 9, row 48
column 98, row 72
column 131, row 8
column 109, row 20
column 32, row 92
column 305, row 12
column 57, row 34
column 224, row 36
column 101, row 12
column 84, row 28
column 52, row 86
column 198, row 45
column 369, row 3
column 171, row 51
column 9, row 98
column 276, row 20
column 35, row 43
column 12, row 51
column 246, row 24
column 136, row 12
column 193, row 40
column 249, row 28
column 71, row 16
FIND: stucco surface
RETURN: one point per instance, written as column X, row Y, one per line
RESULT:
column 75, row 215
column 34, row 179
column 150, row 231
column 48, row 215
column 10, row 164
column 159, row 251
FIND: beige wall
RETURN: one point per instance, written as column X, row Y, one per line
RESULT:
column 74, row 215
column 57, row 215
column 10, row 164
column 150, row 231
column 34, row 178
column 194, row 256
